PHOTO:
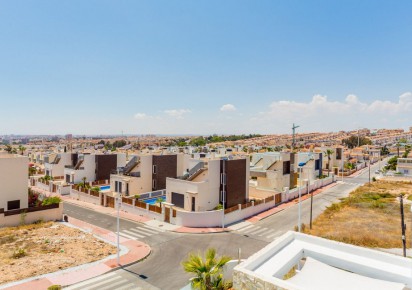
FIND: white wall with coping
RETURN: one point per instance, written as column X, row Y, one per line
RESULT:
column 215, row 219
column 142, row 212
column 198, row 219
column 53, row 214
column 267, row 267
column 84, row 197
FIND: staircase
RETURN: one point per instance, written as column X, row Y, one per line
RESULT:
column 78, row 164
column 57, row 159
column 131, row 165
column 196, row 174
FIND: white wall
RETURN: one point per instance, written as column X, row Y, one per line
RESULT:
column 13, row 179
column 84, row 197
column 31, row 217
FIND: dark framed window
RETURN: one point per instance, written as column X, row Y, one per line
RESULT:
column 286, row 167
column 13, row 204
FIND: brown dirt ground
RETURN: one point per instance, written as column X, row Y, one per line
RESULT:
column 369, row 217
column 47, row 247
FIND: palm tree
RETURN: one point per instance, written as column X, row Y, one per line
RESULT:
column 84, row 182
column 22, row 149
column 329, row 152
column 398, row 146
column 208, row 271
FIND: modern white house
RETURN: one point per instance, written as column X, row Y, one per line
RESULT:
column 320, row 264
column 147, row 173
column 404, row 166
column 13, row 181
column 312, row 167
column 209, row 183
column 55, row 165
column 272, row 170
column 93, row 167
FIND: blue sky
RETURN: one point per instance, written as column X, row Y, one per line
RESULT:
column 203, row 67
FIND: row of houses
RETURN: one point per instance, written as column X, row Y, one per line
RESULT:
column 194, row 182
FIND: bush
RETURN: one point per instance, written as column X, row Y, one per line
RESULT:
column 219, row 207
column 51, row 200
column 54, row 287
column 373, row 179
column 19, row 253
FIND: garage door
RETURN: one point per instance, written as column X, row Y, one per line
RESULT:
column 178, row 199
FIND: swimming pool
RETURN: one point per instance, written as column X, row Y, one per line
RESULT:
column 104, row 187
column 152, row 200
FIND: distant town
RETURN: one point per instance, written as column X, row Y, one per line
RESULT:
column 139, row 190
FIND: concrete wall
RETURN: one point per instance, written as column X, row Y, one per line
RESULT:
column 13, row 179
column 84, row 197
column 31, row 217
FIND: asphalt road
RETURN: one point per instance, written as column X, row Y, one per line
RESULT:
column 163, row 269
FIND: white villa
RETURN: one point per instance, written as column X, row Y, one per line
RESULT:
column 321, row 264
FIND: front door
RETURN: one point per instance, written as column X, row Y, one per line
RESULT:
column 167, row 214
column 193, row 203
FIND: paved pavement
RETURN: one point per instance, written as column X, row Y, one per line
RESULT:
column 273, row 226
column 162, row 269
column 119, row 280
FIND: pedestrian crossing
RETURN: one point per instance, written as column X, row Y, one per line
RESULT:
column 140, row 232
column 109, row 281
column 251, row 230
column 351, row 183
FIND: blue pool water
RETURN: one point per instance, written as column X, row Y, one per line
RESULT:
column 105, row 187
column 152, row 200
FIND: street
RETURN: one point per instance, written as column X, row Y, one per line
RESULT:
column 163, row 269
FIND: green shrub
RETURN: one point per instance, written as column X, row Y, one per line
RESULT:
column 374, row 179
column 19, row 253
column 54, row 287
column 51, row 200
column 219, row 207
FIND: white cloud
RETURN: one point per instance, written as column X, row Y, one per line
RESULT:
column 140, row 116
column 178, row 114
column 228, row 108
column 320, row 113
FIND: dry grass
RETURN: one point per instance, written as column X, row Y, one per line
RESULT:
column 36, row 249
column 369, row 217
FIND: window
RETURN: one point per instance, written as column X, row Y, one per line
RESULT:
column 154, row 184
column 154, row 169
column 286, row 167
column 14, row 204
column 317, row 164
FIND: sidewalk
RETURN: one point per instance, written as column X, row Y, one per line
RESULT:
column 186, row 230
column 288, row 204
column 134, row 251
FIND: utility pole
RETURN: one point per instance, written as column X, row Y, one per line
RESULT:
column 294, row 127
column 403, row 226
column 369, row 171
column 311, row 206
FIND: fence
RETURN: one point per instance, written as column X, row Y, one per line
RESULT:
column 140, row 204
column 155, row 208
column 127, row 200
column 31, row 215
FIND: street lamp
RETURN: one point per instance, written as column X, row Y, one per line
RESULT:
column 300, row 166
column 118, row 203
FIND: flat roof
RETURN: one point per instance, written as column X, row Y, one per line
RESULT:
column 275, row 260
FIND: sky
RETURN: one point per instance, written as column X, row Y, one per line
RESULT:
column 204, row 67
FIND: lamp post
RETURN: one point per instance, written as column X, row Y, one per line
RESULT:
column 300, row 166
column 119, row 202
column 223, row 179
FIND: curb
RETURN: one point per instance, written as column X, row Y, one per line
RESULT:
column 227, row 230
column 63, row 277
